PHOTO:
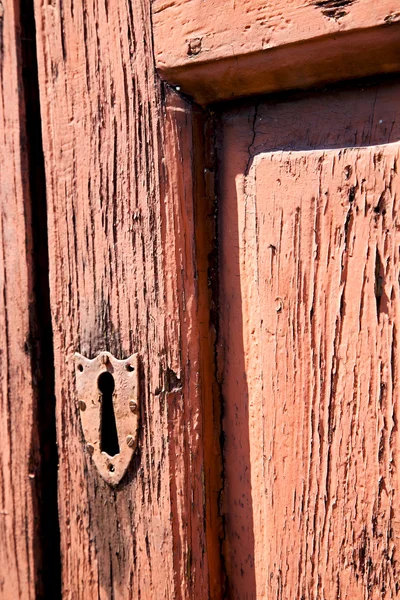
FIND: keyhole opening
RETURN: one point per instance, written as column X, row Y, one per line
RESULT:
column 108, row 427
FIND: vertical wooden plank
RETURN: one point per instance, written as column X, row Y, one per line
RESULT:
column 123, row 278
column 28, row 500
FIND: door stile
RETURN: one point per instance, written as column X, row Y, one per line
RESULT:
column 124, row 278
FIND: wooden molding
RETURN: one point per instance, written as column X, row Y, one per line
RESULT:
column 216, row 51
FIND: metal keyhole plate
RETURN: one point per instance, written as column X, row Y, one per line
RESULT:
column 108, row 402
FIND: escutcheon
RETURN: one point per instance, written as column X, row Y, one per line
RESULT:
column 108, row 402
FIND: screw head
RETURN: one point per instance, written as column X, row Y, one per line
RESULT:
column 130, row 440
column 90, row 448
column 133, row 405
column 82, row 405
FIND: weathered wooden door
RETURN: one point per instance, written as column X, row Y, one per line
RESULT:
column 243, row 240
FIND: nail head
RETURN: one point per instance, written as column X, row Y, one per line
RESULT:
column 130, row 440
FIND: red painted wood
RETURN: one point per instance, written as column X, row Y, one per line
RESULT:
column 17, row 561
column 309, row 306
column 123, row 277
column 218, row 50
column 268, row 307
column 29, row 565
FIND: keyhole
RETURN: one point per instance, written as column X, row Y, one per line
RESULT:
column 108, row 428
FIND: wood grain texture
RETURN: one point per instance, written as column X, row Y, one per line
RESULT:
column 28, row 501
column 308, row 345
column 119, row 165
column 218, row 50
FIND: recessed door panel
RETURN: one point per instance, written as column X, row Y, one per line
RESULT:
column 309, row 260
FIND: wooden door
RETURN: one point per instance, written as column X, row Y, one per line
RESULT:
column 309, row 236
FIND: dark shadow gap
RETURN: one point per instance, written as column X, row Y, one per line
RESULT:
column 39, row 347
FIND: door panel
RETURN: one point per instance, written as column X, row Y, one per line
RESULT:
column 309, row 259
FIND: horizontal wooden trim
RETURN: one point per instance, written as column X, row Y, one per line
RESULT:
column 215, row 51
